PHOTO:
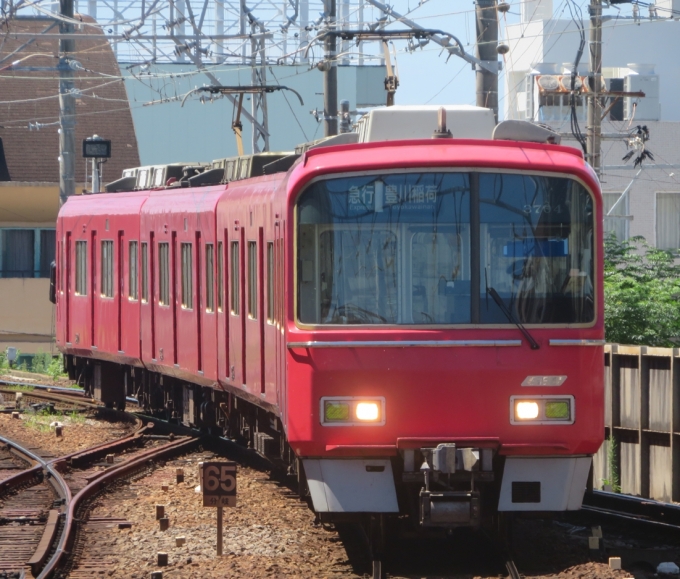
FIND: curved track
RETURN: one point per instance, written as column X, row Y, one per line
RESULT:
column 46, row 503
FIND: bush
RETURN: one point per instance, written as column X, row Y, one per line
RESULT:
column 40, row 362
column 641, row 293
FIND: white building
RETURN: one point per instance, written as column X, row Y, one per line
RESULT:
column 638, row 54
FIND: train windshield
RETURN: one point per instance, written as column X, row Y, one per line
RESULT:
column 432, row 248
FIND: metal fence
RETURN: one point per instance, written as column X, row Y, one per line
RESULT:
column 641, row 453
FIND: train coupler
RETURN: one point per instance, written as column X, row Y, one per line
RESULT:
column 450, row 508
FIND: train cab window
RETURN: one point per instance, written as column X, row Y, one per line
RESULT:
column 107, row 269
column 235, row 283
column 252, row 280
column 270, row 282
column 145, row 272
column 445, row 248
column 81, row 268
column 187, row 277
column 133, row 268
column 209, row 278
column 164, row 274
column 220, row 276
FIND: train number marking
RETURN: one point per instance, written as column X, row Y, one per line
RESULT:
column 219, row 484
column 544, row 381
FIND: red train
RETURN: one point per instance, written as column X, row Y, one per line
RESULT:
column 412, row 326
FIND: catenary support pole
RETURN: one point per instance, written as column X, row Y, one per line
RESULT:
column 487, row 42
column 330, row 76
column 594, row 126
column 67, row 108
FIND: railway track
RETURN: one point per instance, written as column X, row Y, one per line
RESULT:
column 44, row 505
column 632, row 509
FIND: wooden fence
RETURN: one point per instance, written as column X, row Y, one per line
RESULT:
column 641, row 452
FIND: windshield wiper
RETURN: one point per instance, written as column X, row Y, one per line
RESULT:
column 508, row 314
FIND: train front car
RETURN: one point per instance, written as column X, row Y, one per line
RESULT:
column 445, row 353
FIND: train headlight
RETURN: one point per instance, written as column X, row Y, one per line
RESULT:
column 526, row 410
column 352, row 411
column 542, row 410
column 368, row 411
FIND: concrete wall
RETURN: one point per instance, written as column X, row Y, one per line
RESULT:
column 26, row 315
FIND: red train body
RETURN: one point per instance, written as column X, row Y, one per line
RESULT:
column 343, row 317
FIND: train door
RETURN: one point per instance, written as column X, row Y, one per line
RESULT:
column 120, row 262
column 236, row 313
column 66, row 274
column 242, row 305
column 175, row 303
column 199, row 305
column 152, row 292
column 93, row 289
column 279, row 297
column 253, row 320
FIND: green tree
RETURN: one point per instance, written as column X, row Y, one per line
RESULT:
column 641, row 293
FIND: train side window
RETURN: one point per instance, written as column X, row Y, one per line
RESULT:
column 187, row 277
column 81, row 268
column 220, row 273
column 252, row 280
column 209, row 278
column 270, row 282
column 133, row 268
column 164, row 274
column 107, row 269
column 145, row 272
column 235, row 267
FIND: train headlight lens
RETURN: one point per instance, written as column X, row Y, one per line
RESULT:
column 526, row 410
column 368, row 411
column 352, row 411
column 557, row 410
column 336, row 411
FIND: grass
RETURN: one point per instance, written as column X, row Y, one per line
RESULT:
column 20, row 387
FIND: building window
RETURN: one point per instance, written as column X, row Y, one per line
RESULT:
column 26, row 252
column 615, row 223
column 145, row 272
column 209, row 278
column 187, row 272
column 164, row 274
column 48, row 242
column 270, row 282
column 81, row 268
column 133, row 265
column 220, row 273
column 252, row 280
column 107, row 269
column 235, row 267
column 668, row 220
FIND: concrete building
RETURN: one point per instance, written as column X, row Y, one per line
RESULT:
column 201, row 129
column 638, row 54
column 29, row 170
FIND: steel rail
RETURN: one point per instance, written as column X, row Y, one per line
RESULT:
column 630, row 508
column 98, row 483
column 77, row 391
column 53, row 478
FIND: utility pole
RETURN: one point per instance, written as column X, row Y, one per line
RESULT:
column 487, row 42
column 67, row 107
column 330, row 76
column 594, row 126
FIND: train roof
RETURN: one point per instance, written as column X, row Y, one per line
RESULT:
column 380, row 128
